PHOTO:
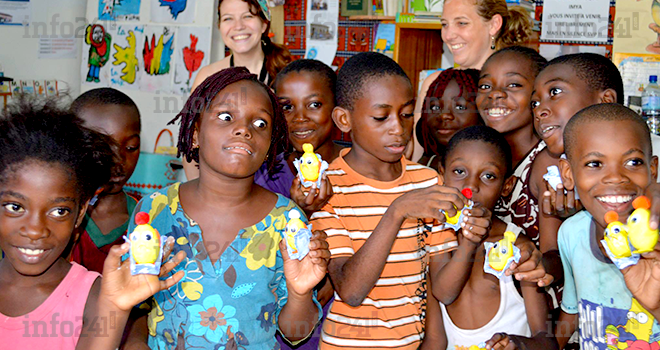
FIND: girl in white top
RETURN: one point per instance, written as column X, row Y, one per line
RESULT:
column 479, row 158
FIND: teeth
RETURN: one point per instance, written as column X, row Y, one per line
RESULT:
column 549, row 128
column 31, row 251
column 303, row 133
column 241, row 37
column 498, row 112
column 615, row 199
column 239, row 147
column 457, row 46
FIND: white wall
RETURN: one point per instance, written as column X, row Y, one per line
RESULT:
column 19, row 45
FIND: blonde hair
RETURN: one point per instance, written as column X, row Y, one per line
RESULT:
column 516, row 22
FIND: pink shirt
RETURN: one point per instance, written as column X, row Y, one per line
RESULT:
column 56, row 324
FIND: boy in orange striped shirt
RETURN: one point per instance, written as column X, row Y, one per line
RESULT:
column 384, row 222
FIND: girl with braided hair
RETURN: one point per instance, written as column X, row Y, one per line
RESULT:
column 449, row 107
column 240, row 285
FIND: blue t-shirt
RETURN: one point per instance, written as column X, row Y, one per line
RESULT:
column 594, row 288
column 232, row 303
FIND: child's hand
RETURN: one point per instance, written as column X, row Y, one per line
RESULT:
column 500, row 341
column 303, row 275
column 476, row 223
column 124, row 290
column 530, row 267
column 643, row 280
column 428, row 203
column 653, row 193
column 315, row 199
column 558, row 204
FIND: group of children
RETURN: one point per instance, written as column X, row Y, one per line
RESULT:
column 385, row 270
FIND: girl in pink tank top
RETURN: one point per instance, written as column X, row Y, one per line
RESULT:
column 50, row 166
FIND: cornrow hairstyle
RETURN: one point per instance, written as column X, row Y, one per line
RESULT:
column 277, row 56
column 102, row 96
column 357, row 70
column 596, row 70
column 34, row 129
column 200, row 100
column 605, row 112
column 467, row 80
column 311, row 66
column 484, row 134
column 538, row 62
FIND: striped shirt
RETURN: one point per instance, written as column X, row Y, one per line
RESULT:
column 391, row 314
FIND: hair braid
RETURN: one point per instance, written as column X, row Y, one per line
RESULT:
column 200, row 100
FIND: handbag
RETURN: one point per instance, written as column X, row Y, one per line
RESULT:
column 155, row 171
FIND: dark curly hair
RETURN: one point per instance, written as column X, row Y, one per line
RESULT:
column 200, row 100
column 312, row 66
column 34, row 129
column 538, row 62
column 484, row 134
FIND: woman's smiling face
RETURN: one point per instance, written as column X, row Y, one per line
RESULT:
column 466, row 33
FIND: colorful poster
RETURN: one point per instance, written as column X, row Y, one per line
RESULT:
column 193, row 45
column 173, row 11
column 97, row 45
column 15, row 12
column 322, row 24
column 126, row 53
column 575, row 20
column 119, row 10
column 155, row 74
column 637, row 27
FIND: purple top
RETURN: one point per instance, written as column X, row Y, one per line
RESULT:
column 280, row 182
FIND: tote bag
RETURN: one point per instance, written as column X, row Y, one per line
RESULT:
column 155, row 171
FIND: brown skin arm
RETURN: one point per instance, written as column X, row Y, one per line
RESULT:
column 536, row 307
column 137, row 333
column 434, row 330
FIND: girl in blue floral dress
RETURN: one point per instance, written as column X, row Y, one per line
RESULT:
column 240, row 286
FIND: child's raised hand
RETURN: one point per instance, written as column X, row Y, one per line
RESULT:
column 303, row 275
column 558, row 203
column 643, row 280
column 500, row 341
column 476, row 224
column 428, row 203
column 125, row 290
column 315, row 199
column 530, row 267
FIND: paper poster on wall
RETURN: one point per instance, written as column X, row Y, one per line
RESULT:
column 635, row 70
column 193, row 45
column 637, row 27
column 173, row 11
column 15, row 12
column 322, row 24
column 575, row 20
column 97, row 45
column 119, row 10
column 156, row 71
column 550, row 51
column 128, row 41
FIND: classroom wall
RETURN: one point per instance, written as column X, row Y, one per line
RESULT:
column 19, row 45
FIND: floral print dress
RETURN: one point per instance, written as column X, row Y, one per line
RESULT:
column 230, row 304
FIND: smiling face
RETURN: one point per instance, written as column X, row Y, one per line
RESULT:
column 234, row 131
column 122, row 124
column 40, row 208
column 467, row 34
column 558, row 94
column 504, row 93
column 609, row 168
column 479, row 166
column 381, row 121
column 307, row 102
column 450, row 113
column 241, row 30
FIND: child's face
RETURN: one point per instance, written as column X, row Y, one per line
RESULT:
column 234, row 132
column 122, row 124
column 382, row 118
column 609, row 165
column 40, row 209
column 307, row 102
column 505, row 88
column 478, row 166
column 558, row 95
column 450, row 113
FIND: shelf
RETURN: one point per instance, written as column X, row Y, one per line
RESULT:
column 371, row 18
column 417, row 25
